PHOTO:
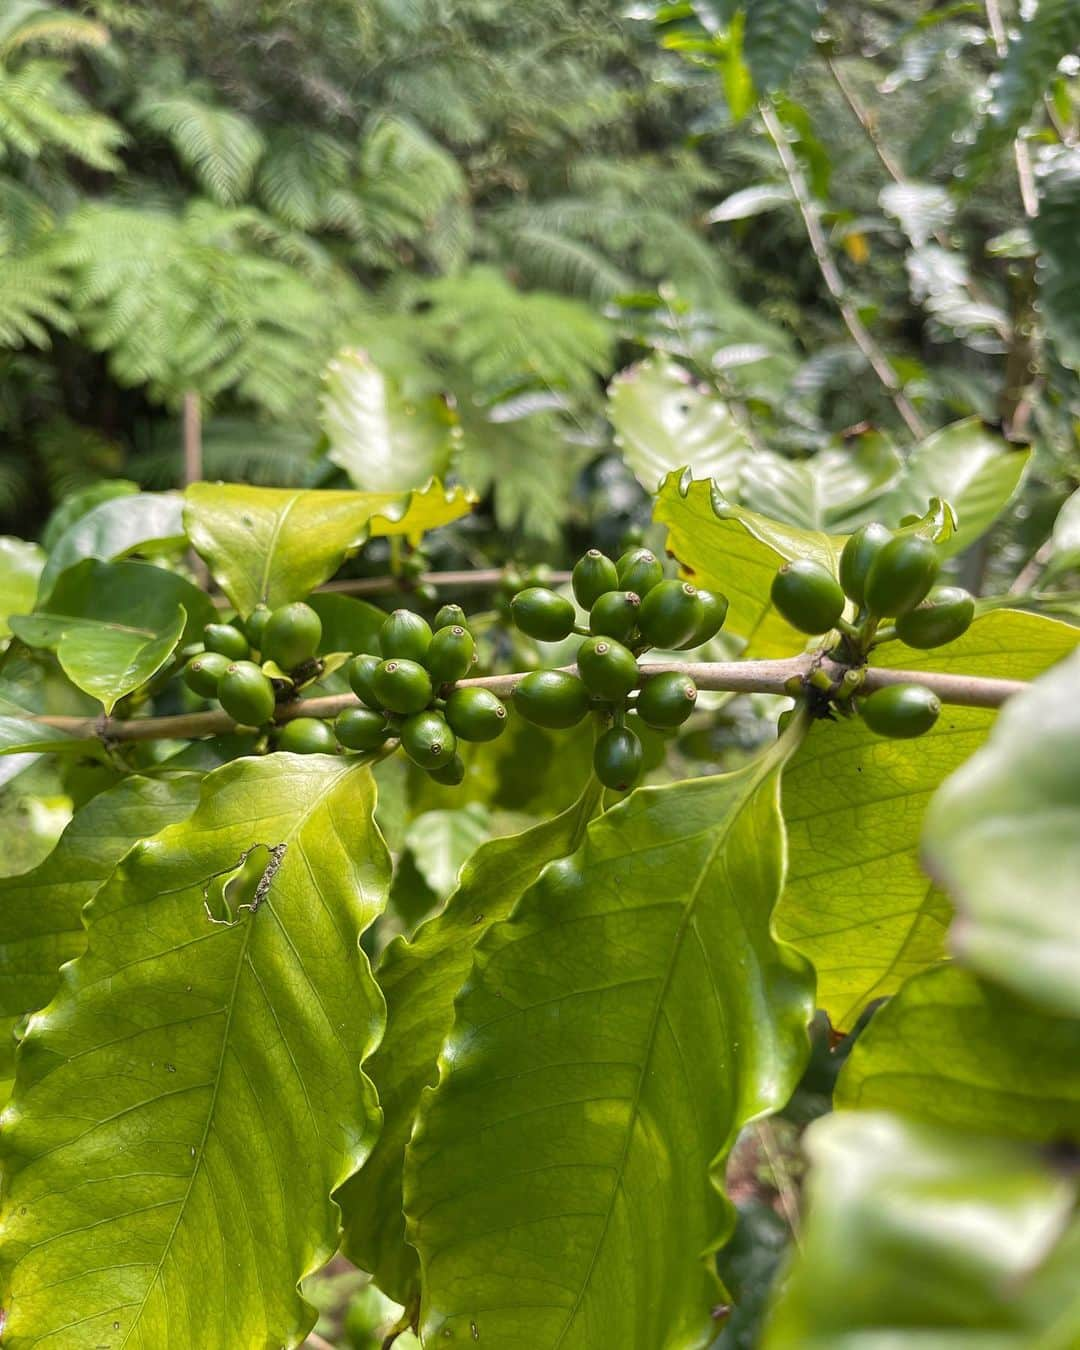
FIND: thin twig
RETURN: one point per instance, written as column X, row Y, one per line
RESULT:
column 740, row 677
column 477, row 579
column 316, row 1342
column 879, row 363
column 1031, row 571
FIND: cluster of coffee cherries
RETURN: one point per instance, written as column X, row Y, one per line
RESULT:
column 886, row 575
column 406, row 693
column 285, row 640
column 631, row 606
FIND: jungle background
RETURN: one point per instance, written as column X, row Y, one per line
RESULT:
column 540, row 249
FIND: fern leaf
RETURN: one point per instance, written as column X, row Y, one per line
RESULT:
column 221, row 148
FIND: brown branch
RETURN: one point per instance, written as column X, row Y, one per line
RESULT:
column 877, row 360
column 1025, row 174
column 738, row 677
column 478, row 579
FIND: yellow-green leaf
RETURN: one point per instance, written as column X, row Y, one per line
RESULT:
column 273, row 545
column 187, row 1103
column 857, row 903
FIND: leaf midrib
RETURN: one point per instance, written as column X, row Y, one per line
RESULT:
column 242, row 957
column 758, row 774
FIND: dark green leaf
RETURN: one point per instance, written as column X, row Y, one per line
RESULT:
column 148, row 522
column 576, row 1123
column 114, row 625
column 420, row 980
column 779, row 33
column 1054, row 229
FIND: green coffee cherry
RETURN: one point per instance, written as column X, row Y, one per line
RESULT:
column 618, row 759
column 425, row 593
column 808, row 596
column 543, row 614
column 427, row 739
column 402, row 686
column 307, row 736
column 451, row 655
column 607, row 668
column 361, row 674
column 540, row 575
column 246, row 694
column 551, row 698
column 945, row 614
column 226, row 640
column 715, row 607
column 639, row 570
column 670, row 614
column 405, row 635
column 255, row 625
column 901, row 575
column 476, row 714
column 593, row 576
column 415, row 565
column 361, row 729
column 666, row 700
column 291, row 636
column 203, row 672
column 901, row 711
column 858, row 553
column 450, row 774
column 615, row 614
column 450, row 616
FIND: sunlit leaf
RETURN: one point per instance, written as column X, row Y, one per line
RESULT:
column 420, row 979
column 1003, row 837
column 953, row 1050
column 576, row 1124
column 194, row 1092
column 968, row 465
column 857, row 903
column 20, row 566
column 41, row 911
column 751, row 201
column 664, row 421
column 273, row 545
column 384, row 441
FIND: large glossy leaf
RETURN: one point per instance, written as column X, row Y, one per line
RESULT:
column 194, row 1092
column 664, row 421
column 953, row 1050
column 114, row 625
column 441, row 842
column 779, row 33
column 920, row 1237
column 147, row 522
column 1003, row 837
column 273, row 545
column 420, row 980
column 577, row 1126
column 857, row 903
column 41, row 911
column 20, row 566
column 384, row 441
column 968, row 465
column 824, row 493
column 1054, row 230
column 737, row 552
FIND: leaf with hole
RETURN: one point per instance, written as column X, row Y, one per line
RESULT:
column 195, row 1086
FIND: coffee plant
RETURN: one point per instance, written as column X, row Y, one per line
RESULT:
column 232, row 1052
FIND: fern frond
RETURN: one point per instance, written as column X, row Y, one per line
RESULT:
column 40, row 111
column 297, row 175
column 33, row 290
column 221, row 148
column 35, row 22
